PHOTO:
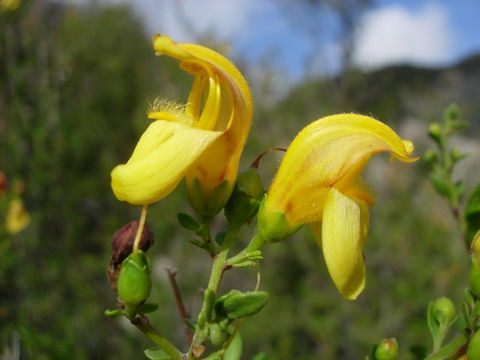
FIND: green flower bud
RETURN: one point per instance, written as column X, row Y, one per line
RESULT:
column 443, row 310
column 386, row 350
column 430, row 156
column 134, row 281
column 435, row 131
column 473, row 349
column 236, row 304
column 217, row 335
column 250, row 183
column 474, row 279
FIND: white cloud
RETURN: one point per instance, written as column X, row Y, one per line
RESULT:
column 182, row 19
column 395, row 34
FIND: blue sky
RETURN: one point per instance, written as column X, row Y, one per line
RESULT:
column 428, row 33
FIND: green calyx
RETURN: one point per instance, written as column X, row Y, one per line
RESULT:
column 386, row 350
column 134, row 281
column 273, row 226
column 207, row 202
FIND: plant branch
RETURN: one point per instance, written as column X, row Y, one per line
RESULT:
column 182, row 312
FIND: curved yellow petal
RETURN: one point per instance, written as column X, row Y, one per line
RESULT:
column 160, row 160
column 330, row 152
column 227, row 107
column 343, row 234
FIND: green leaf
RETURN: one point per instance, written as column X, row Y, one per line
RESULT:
column 439, row 182
column 220, row 236
column 245, row 304
column 113, row 313
column 472, row 212
column 156, row 354
column 191, row 324
column 234, row 351
column 187, row 222
column 148, row 308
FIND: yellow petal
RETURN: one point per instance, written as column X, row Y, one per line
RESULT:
column 220, row 100
column 17, row 217
column 330, row 152
column 343, row 234
column 160, row 160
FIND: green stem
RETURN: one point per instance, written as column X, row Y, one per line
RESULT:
column 218, row 267
column 449, row 350
column 142, row 323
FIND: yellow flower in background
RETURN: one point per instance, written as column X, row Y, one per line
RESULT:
column 318, row 184
column 9, row 5
column 17, row 217
column 201, row 141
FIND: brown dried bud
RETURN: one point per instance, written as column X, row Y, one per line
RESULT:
column 3, row 183
column 122, row 246
column 122, row 241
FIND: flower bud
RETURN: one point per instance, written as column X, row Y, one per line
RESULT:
column 134, row 281
column 17, row 217
column 435, row 131
column 386, row 350
column 443, row 310
column 3, row 184
column 430, row 156
column 217, row 335
column 473, row 350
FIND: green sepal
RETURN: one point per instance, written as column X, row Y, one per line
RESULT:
column 156, row 354
column 240, row 209
column 250, row 183
column 113, row 313
column 261, row 356
column 208, row 202
column 234, row 350
column 220, row 236
column 147, row 308
column 134, row 283
column 188, row 222
column 432, row 324
column 219, row 304
column 273, row 225
column 472, row 212
column 239, row 305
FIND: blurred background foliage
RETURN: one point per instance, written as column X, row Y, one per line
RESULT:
column 75, row 83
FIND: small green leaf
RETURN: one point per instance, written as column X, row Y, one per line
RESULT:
column 156, row 354
column 191, row 324
column 148, row 308
column 113, row 313
column 220, row 236
column 439, row 182
column 472, row 212
column 209, row 303
column 187, row 222
column 234, row 350
column 245, row 304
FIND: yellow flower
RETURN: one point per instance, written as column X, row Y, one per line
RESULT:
column 318, row 184
column 10, row 5
column 17, row 217
column 201, row 141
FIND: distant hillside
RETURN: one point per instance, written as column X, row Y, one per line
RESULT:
column 392, row 94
